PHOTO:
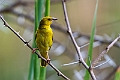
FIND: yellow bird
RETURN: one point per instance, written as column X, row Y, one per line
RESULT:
column 44, row 38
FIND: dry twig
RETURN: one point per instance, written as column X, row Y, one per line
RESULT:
column 27, row 44
column 105, row 51
column 81, row 60
column 54, row 26
column 58, row 27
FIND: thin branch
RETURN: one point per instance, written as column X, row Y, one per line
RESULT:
column 99, row 38
column 102, row 64
column 57, row 26
column 81, row 60
column 63, row 30
column 105, row 51
column 70, row 63
column 69, row 30
column 27, row 44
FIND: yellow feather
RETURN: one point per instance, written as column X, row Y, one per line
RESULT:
column 44, row 36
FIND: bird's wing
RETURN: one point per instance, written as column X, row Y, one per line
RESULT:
column 51, row 45
column 35, row 35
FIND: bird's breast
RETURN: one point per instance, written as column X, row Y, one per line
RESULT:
column 44, row 38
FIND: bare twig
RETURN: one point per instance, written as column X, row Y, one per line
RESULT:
column 54, row 25
column 27, row 44
column 102, row 64
column 105, row 51
column 81, row 60
column 63, row 30
column 70, row 63
column 69, row 30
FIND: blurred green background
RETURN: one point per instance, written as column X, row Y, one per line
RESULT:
column 15, row 57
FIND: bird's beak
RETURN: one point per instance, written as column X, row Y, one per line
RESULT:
column 54, row 18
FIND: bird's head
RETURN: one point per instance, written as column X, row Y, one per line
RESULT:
column 47, row 20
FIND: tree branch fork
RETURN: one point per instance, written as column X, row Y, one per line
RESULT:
column 80, row 60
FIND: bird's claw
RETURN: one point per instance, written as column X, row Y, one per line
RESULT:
column 48, row 60
column 34, row 49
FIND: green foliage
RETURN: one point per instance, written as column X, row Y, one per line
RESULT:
column 42, row 73
column 47, row 8
column 34, row 71
column 47, row 13
column 87, row 76
column 117, row 75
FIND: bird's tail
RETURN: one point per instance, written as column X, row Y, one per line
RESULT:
column 44, row 63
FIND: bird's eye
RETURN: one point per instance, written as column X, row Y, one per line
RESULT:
column 49, row 19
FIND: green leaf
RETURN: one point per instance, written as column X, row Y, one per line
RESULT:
column 34, row 70
column 47, row 13
column 117, row 75
column 47, row 8
column 42, row 73
column 90, row 50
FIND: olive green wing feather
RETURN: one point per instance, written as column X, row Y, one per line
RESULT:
column 51, row 45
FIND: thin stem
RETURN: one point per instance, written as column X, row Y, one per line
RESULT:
column 42, row 73
column 58, row 27
column 31, row 69
column 27, row 44
column 105, row 51
column 74, row 42
column 47, row 13
column 36, row 60
column 90, row 50
column 71, row 35
column 47, row 8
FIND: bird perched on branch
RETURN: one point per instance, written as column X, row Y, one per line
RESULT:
column 44, row 38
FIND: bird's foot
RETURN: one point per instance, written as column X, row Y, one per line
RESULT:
column 34, row 49
column 48, row 60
